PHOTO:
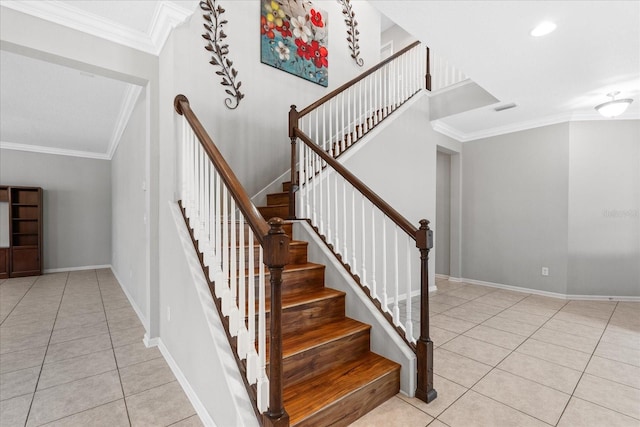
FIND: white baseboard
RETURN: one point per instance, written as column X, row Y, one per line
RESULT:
column 551, row 294
column 442, row 276
column 84, row 267
column 150, row 342
column 188, row 390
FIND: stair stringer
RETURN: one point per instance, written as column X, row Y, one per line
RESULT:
column 205, row 365
column 385, row 340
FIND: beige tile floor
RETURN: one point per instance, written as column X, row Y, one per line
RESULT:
column 71, row 354
column 512, row 359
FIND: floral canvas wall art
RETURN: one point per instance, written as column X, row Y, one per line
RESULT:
column 294, row 38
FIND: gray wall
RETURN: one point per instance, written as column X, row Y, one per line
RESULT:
column 604, row 206
column 515, row 208
column 77, row 205
column 443, row 213
column 566, row 197
column 129, row 212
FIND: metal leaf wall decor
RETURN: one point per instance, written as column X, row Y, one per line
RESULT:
column 219, row 50
column 352, row 30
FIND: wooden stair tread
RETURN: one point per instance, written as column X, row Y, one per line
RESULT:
column 295, row 343
column 289, row 267
column 291, row 243
column 304, row 399
column 293, row 300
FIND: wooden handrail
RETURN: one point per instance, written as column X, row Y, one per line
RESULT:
column 252, row 215
column 387, row 209
column 351, row 82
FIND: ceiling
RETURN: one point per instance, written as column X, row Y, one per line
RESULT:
column 30, row 86
column 559, row 77
column 562, row 76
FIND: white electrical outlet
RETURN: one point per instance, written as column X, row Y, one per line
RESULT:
column 169, row 314
column 545, row 271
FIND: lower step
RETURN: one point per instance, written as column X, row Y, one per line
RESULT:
column 344, row 394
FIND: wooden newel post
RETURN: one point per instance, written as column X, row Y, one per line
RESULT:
column 428, row 75
column 276, row 251
column 293, row 124
column 424, row 346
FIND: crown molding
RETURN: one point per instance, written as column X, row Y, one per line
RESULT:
column 167, row 16
column 51, row 150
column 452, row 132
column 126, row 109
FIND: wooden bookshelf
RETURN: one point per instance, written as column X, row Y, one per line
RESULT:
column 25, row 231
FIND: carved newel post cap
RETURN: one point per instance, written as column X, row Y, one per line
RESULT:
column 293, row 107
column 276, row 226
column 424, row 224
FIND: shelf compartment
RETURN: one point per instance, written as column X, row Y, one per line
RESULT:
column 28, row 196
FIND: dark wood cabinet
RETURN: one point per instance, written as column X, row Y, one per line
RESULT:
column 24, row 255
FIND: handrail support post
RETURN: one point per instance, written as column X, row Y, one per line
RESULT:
column 424, row 346
column 293, row 124
column 276, row 251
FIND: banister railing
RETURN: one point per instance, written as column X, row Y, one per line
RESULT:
column 339, row 119
column 369, row 236
column 235, row 244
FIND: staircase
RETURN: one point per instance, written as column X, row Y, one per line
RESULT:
column 330, row 376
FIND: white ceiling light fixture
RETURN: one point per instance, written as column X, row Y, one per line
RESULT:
column 615, row 107
column 543, row 28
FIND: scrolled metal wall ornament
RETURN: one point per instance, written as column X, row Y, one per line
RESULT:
column 219, row 50
column 352, row 30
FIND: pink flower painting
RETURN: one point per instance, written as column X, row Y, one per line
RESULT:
column 294, row 38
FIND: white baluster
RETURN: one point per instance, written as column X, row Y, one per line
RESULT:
column 409, row 323
column 314, row 178
column 301, row 202
column 374, row 261
column 252, row 355
column 234, row 320
column 243, row 344
column 226, row 226
column 263, row 381
column 307, row 178
column 354, row 255
column 363, row 230
column 328, row 234
column 343, row 138
column 396, row 286
column 385, row 300
column 336, row 247
column 345, row 255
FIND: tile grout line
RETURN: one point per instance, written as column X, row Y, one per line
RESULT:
column 113, row 350
column 587, row 366
column 18, row 302
column 496, row 367
column 33, row 398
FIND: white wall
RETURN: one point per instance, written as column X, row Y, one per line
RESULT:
column 398, row 38
column 76, row 205
column 129, row 214
column 254, row 137
column 604, row 208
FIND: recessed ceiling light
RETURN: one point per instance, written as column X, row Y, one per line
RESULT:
column 543, row 28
